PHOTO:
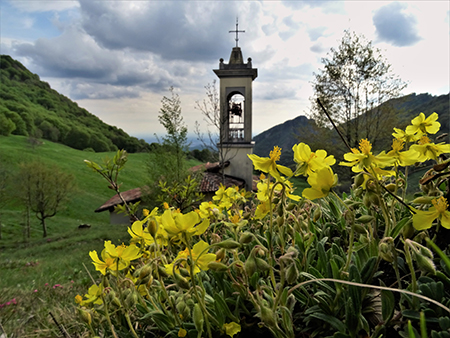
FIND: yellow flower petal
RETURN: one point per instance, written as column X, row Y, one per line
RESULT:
column 232, row 328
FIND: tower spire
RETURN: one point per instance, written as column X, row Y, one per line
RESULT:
column 237, row 31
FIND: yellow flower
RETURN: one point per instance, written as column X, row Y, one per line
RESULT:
column 78, row 299
column 424, row 219
column 182, row 333
column 232, row 328
column 321, row 182
column 262, row 210
column 138, row 233
column 236, row 221
column 199, row 256
column 94, row 295
column 123, row 253
column 208, row 209
column 109, row 262
column 405, row 137
column 176, row 224
column 424, row 125
column 365, row 159
column 428, row 150
column 404, row 158
column 308, row 161
column 269, row 164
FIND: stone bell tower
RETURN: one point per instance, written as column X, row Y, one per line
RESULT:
column 236, row 143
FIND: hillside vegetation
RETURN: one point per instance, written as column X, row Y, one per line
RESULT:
column 30, row 107
column 302, row 129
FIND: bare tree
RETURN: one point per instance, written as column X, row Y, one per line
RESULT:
column 43, row 189
column 213, row 140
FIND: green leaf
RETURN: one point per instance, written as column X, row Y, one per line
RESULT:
column 398, row 228
column 387, row 305
column 333, row 321
column 368, row 270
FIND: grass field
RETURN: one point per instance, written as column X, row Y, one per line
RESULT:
column 45, row 274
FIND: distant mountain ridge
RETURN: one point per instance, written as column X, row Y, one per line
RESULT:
column 287, row 134
column 30, row 107
column 283, row 135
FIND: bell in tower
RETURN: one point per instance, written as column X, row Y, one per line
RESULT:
column 236, row 78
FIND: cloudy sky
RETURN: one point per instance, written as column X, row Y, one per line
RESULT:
column 117, row 59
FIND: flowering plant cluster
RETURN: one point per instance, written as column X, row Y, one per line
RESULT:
column 283, row 265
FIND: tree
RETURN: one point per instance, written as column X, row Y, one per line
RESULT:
column 355, row 81
column 214, row 141
column 43, row 189
column 170, row 179
column 176, row 138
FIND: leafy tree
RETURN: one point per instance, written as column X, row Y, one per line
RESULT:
column 43, row 189
column 7, row 126
column 355, row 81
column 175, row 140
column 170, row 179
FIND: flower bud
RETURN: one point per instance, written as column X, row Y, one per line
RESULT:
column 425, row 264
column 250, row 266
column 317, row 214
column 85, row 316
column 228, row 244
column 359, row 228
column 292, row 274
column 197, row 316
column 280, row 210
column 365, row 219
column 358, row 180
column 246, row 238
column 267, row 316
column 220, row 255
column 180, row 281
column 153, row 227
column 131, row 300
column 216, row 266
column 387, row 249
column 391, row 187
column 291, row 206
column 162, row 271
column 408, row 230
column 423, row 199
column 144, row 271
column 280, row 221
column 262, row 265
column 184, row 272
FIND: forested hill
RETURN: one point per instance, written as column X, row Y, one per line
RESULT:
column 28, row 106
column 302, row 129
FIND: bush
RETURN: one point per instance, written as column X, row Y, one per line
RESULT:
column 7, row 126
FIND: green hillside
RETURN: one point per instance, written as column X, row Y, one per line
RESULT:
column 302, row 129
column 29, row 107
column 91, row 192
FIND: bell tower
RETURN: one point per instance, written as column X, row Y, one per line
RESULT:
column 236, row 143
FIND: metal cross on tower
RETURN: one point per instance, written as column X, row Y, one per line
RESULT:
column 237, row 31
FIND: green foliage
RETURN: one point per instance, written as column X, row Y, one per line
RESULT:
column 355, row 80
column 36, row 109
column 7, row 126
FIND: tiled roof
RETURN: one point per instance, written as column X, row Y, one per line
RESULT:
column 130, row 196
column 211, row 182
